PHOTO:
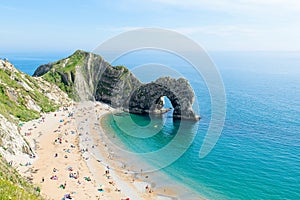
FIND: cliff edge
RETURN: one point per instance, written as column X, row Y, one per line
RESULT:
column 23, row 98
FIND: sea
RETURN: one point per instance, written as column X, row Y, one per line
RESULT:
column 257, row 155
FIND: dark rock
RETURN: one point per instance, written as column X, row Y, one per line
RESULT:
column 147, row 98
column 43, row 69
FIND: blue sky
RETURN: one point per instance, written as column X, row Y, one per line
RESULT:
column 215, row 24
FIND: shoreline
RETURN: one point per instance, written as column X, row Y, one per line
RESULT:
column 163, row 185
column 99, row 152
column 61, row 168
column 73, row 156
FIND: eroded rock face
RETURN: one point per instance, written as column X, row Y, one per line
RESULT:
column 43, row 69
column 117, row 86
column 146, row 99
column 121, row 89
column 12, row 144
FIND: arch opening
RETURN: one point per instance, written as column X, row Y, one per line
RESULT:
column 163, row 105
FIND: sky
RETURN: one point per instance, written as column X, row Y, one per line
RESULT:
column 217, row 25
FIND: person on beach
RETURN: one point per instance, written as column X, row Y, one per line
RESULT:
column 62, row 186
column 111, row 182
column 54, row 177
column 71, row 175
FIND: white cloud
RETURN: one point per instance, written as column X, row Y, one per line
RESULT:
column 235, row 5
column 218, row 30
column 273, row 10
column 236, row 37
column 249, row 24
column 245, row 38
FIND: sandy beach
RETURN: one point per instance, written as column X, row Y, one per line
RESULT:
column 65, row 165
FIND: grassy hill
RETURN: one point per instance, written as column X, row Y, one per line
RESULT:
column 22, row 98
column 15, row 187
column 62, row 72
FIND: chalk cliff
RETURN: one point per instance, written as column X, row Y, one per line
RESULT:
column 87, row 76
column 22, row 98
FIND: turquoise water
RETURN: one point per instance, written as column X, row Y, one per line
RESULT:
column 258, row 153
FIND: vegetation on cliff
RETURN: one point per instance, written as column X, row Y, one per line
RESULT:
column 22, row 98
column 13, row 186
column 86, row 76
column 91, row 67
column 62, row 72
column 17, row 90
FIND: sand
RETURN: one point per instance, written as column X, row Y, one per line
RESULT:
column 64, row 145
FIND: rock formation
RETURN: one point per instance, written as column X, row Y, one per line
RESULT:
column 86, row 76
column 147, row 98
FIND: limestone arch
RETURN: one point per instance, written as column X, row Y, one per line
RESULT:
column 145, row 99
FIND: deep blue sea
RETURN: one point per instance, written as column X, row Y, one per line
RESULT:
column 258, row 153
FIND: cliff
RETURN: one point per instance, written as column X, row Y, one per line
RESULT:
column 22, row 98
column 77, row 75
column 87, row 76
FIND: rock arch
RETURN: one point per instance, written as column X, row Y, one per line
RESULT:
column 94, row 79
column 147, row 98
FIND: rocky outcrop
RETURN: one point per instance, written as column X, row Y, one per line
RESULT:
column 43, row 69
column 26, row 96
column 86, row 76
column 147, row 98
column 116, row 87
column 121, row 89
column 77, row 75
column 12, row 145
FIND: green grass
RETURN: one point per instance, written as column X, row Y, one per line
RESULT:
column 56, row 78
column 18, row 109
column 15, row 187
column 31, row 81
column 5, row 76
column 9, row 107
column 45, row 104
column 124, row 74
column 58, row 71
column 76, row 59
column 122, row 67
